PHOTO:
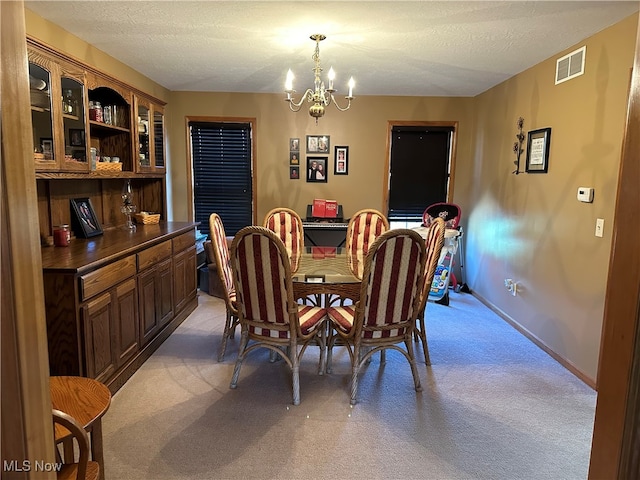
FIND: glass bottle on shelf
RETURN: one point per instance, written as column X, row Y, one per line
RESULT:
column 69, row 104
column 128, row 208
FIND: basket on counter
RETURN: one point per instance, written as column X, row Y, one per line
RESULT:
column 108, row 167
column 146, row 218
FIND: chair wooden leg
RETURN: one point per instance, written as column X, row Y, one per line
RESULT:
column 225, row 335
column 412, row 363
column 236, row 370
column 296, row 378
column 422, row 332
column 323, row 348
column 354, row 373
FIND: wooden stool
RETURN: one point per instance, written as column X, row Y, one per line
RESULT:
column 86, row 400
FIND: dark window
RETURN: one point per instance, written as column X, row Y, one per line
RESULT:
column 419, row 170
column 221, row 155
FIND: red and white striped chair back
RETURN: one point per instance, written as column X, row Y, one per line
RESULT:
column 434, row 243
column 287, row 224
column 364, row 227
column 262, row 276
column 221, row 251
column 392, row 282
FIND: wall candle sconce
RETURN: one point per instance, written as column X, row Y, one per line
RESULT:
column 517, row 146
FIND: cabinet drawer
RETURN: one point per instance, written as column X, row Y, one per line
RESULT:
column 184, row 241
column 153, row 255
column 106, row 277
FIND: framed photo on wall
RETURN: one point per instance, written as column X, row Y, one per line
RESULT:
column 318, row 143
column 294, row 173
column 294, row 144
column 317, row 169
column 294, row 158
column 84, row 221
column 538, row 144
column 341, row 161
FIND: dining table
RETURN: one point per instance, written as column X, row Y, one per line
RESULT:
column 327, row 274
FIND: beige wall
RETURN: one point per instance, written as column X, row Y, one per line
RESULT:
column 363, row 128
column 527, row 227
column 530, row 227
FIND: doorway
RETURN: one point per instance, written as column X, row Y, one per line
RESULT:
column 421, row 161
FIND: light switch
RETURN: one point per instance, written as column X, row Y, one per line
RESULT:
column 599, row 227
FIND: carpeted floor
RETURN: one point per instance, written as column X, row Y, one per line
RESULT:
column 494, row 406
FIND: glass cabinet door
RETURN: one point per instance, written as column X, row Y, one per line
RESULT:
column 144, row 157
column 41, row 117
column 158, row 138
column 73, row 120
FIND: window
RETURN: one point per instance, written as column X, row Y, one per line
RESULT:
column 419, row 170
column 222, row 180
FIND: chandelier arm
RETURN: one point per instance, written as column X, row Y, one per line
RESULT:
column 335, row 103
column 295, row 107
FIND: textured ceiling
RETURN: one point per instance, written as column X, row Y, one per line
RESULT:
column 425, row 48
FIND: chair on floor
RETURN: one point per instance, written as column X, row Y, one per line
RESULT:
column 364, row 227
column 269, row 315
column 83, row 469
column 433, row 242
column 287, row 224
column 388, row 306
column 223, row 266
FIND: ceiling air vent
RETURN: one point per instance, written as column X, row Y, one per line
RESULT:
column 571, row 65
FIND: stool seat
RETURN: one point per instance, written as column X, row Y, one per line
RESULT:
column 86, row 400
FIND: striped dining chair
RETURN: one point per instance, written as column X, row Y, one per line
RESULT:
column 287, row 224
column 269, row 315
column 223, row 266
column 434, row 243
column 389, row 300
column 364, row 227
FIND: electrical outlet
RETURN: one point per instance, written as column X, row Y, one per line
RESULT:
column 599, row 227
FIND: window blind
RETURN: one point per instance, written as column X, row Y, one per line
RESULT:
column 419, row 170
column 221, row 156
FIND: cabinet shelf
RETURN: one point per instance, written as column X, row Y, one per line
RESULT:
column 105, row 128
column 39, row 109
column 93, row 175
column 69, row 116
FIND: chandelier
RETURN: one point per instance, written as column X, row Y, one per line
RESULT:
column 320, row 96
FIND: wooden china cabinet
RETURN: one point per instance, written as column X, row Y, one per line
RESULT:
column 110, row 299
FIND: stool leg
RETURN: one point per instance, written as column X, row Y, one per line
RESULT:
column 96, row 445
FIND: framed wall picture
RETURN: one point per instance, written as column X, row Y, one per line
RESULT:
column 318, row 143
column 341, row 161
column 294, row 144
column 294, row 158
column 294, row 173
column 317, row 169
column 538, row 144
column 84, row 221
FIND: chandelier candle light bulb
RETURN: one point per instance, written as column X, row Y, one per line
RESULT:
column 319, row 96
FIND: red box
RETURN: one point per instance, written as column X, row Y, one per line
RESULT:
column 319, row 206
column 331, row 209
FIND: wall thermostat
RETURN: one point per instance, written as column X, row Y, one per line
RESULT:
column 585, row 194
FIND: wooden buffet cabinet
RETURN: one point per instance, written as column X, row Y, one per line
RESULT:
column 111, row 299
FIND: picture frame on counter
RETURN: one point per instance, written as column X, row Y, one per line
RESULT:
column 84, row 220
